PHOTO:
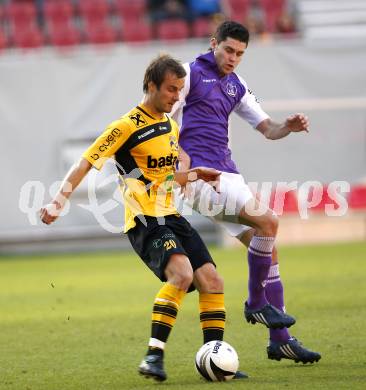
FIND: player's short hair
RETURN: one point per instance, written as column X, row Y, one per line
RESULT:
column 158, row 68
column 231, row 29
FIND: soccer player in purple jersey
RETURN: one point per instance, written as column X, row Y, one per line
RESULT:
column 211, row 93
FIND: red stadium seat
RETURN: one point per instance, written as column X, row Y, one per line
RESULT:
column 202, row 28
column 28, row 38
column 239, row 10
column 94, row 12
column 100, row 34
column 58, row 13
column 130, row 9
column 172, row 29
column 21, row 16
column 357, row 197
column 272, row 11
column 3, row 41
column 64, row 36
column 290, row 202
column 136, row 33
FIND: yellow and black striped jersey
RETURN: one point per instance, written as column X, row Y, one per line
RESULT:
column 145, row 150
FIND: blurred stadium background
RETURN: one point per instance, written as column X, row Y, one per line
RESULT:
column 68, row 68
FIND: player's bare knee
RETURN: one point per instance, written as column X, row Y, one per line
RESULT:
column 182, row 278
column 269, row 226
column 216, row 283
column 179, row 271
column 213, row 282
column 206, row 279
column 272, row 225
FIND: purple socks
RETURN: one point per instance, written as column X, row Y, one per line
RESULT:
column 259, row 260
column 264, row 284
column 274, row 295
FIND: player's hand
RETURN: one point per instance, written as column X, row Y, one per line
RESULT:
column 209, row 175
column 50, row 212
column 297, row 122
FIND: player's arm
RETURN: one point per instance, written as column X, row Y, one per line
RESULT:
column 199, row 173
column 249, row 108
column 76, row 174
column 95, row 156
column 293, row 124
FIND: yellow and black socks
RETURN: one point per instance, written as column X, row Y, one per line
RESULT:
column 212, row 316
column 165, row 310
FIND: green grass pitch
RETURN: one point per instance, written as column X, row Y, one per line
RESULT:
column 82, row 321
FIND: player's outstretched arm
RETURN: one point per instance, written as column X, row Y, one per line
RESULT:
column 76, row 174
column 293, row 124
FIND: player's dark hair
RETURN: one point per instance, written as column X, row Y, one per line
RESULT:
column 158, row 68
column 230, row 29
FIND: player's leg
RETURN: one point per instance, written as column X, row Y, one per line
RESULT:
column 259, row 259
column 281, row 344
column 259, row 254
column 179, row 275
column 241, row 208
column 210, row 286
column 238, row 194
column 211, row 305
column 205, row 279
column 229, row 206
column 162, row 252
column 273, row 287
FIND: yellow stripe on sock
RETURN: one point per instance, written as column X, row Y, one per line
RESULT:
column 169, row 295
column 212, row 306
column 163, row 318
column 213, row 324
column 211, row 301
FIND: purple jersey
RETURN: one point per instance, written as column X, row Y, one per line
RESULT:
column 203, row 113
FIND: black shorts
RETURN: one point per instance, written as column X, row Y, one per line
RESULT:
column 155, row 243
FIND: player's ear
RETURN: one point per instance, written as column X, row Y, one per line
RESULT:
column 151, row 87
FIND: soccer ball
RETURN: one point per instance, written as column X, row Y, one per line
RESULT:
column 217, row 361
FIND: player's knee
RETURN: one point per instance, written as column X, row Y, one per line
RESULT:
column 216, row 283
column 183, row 278
column 179, row 271
column 270, row 226
column 213, row 282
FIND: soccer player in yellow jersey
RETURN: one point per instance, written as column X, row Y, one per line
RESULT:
column 144, row 143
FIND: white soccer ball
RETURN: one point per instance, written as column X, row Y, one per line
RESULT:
column 217, row 361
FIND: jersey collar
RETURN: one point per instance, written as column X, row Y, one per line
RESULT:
column 147, row 112
column 210, row 60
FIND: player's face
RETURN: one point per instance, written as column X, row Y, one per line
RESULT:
column 228, row 54
column 167, row 95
